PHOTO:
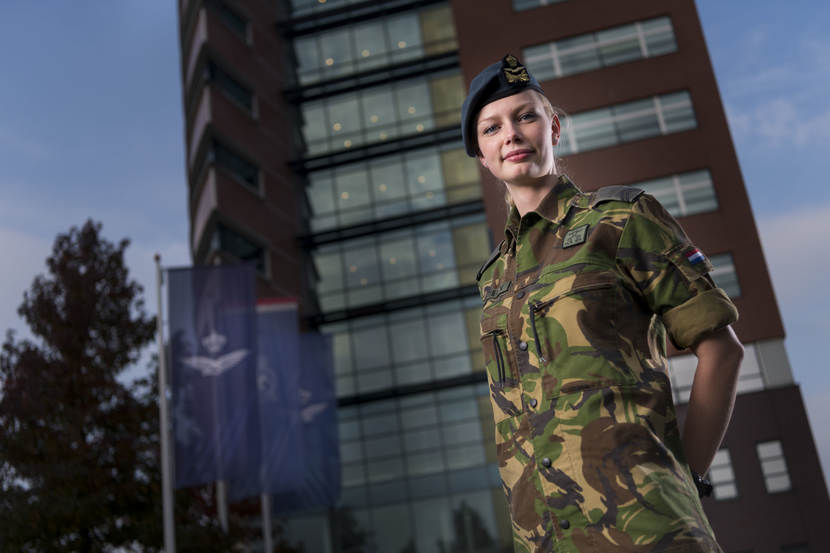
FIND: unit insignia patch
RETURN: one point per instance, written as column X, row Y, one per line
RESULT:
column 575, row 236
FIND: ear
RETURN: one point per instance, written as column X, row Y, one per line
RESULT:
column 482, row 161
column 555, row 128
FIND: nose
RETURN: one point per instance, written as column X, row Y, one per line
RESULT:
column 512, row 133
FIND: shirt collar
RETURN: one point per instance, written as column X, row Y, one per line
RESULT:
column 553, row 207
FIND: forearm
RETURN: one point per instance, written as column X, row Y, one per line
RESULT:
column 712, row 397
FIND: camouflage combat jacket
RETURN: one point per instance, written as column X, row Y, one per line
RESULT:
column 577, row 302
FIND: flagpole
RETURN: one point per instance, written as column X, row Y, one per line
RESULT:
column 166, row 488
column 221, row 487
column 222, row 504
column 265, row 499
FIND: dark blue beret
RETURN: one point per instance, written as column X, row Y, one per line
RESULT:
column 499, row 80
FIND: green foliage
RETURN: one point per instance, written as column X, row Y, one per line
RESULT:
column 79, row 454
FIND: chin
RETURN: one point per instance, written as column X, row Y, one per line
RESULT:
column 524, row 177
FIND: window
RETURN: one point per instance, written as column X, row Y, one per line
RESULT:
column 406, row 347
column 682, row 372
column 724, row 274
column 239, row 246
column 375, row 43
column 233, row 20
column 643, row 39
column 236, row 91
column 305, row 7
column 522, row 5
column 415, row 437
column 684, row 193
column 382, row 113
column 403, row 263
column 722, row 476
column 750, row 378
column 774, row 467
column 599, row 128
column 391, row 185
column 242, row 169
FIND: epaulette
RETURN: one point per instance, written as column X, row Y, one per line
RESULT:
column 616, row 193
column 493, row 256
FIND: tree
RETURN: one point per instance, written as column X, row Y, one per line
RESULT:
column 79, row 460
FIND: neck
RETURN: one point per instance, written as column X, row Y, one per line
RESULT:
column 528, row 196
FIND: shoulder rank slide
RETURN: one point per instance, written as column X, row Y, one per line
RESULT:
column 615, row 193
column 493, row 256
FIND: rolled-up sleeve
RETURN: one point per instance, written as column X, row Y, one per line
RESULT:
column 671, row 275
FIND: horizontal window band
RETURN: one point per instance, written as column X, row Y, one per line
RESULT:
column 477, row 377
column 461, row 292
column 377, row 149
column 374, row 77
column 442, row 213
column 347, row 15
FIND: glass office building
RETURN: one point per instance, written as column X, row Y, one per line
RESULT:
column 323, row 143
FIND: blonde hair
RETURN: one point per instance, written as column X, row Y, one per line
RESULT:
column 549, row 109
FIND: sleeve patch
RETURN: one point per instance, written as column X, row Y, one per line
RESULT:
column 690, row 261
column 694, row 256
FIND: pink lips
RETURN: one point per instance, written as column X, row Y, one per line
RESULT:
column 517, row 155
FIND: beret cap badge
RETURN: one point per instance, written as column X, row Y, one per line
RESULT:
column 514, row 72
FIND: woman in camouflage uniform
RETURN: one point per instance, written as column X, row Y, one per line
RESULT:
column 577, row 302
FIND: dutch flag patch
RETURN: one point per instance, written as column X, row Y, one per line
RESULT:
column 695, row 256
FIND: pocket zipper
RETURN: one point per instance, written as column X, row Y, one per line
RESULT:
column 499, row 359
column 538, row 306
column 533, row 308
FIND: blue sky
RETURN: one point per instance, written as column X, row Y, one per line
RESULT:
column 91, row 126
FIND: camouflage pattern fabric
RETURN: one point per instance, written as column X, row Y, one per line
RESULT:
column 577, row 303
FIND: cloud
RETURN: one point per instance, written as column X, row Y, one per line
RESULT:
column 778, row 93
column 795, row 244
column 769, row 78
column 779, row 120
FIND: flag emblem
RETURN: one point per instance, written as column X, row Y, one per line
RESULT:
column 695, row 256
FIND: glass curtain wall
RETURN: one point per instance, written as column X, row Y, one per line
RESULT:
column 381, row 113
column 417, row 453
column 392, row 185
column 375, row 44
column 401, row 263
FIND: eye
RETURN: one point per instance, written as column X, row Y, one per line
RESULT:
column 528, row 116
column 489, row 130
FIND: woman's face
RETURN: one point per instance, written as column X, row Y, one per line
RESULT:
column 516, row 137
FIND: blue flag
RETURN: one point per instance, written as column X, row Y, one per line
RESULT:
column 213, row 365
column 278, row 383
column 320, row 454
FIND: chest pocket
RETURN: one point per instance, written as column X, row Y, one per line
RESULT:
column 502, row 374
column 573, row 322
